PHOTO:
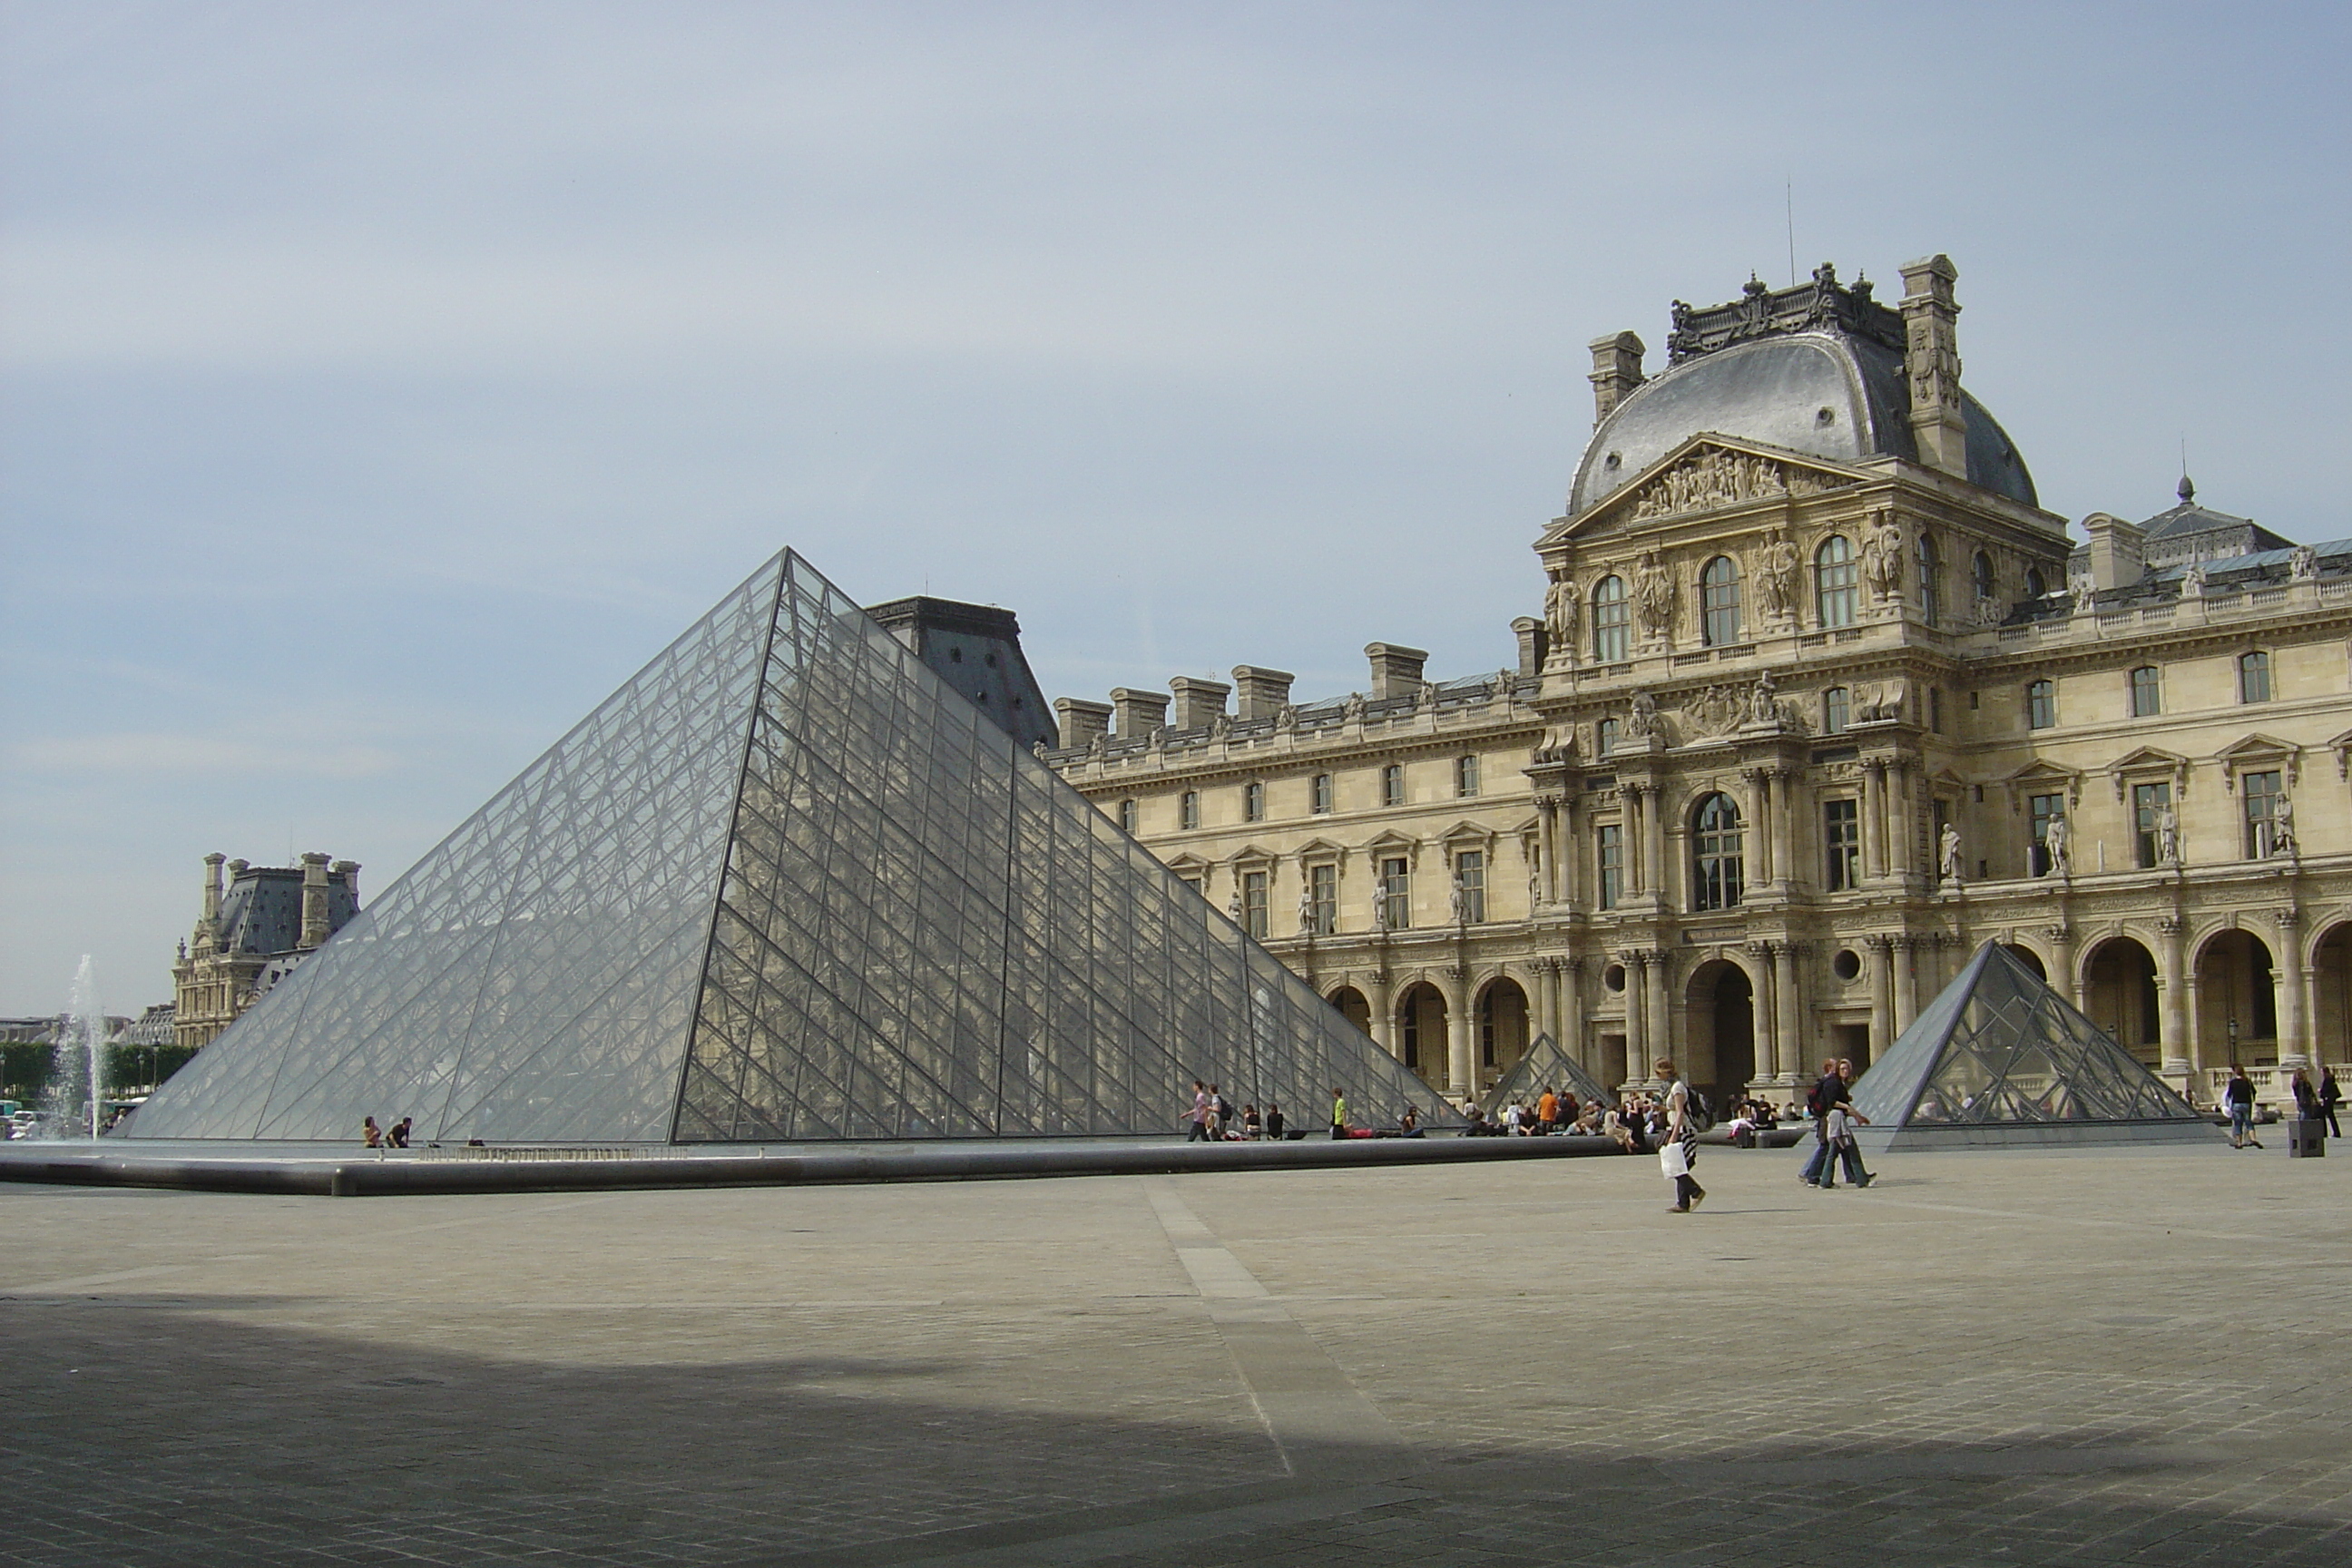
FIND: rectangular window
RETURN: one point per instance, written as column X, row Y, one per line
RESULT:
column 1604, row 737
column 2041, row 705
column 1612, row 623
column 1396, row 893
column 1188, row 809
column 2149, row 803
column 2146, row 691
column 1254, row 903
column 2253, row 678
column 1193, row 883
column 1935, row 708
column 1254, row 802
column 2046, row 809
column 1465, row 776
column 1127, row 816
column 1322, row 899
column 1609, row 863
column 1320, row 794
column 1470, row 870
column 1835, row 709
column 1842, row 831
column 1392, row 784
column 2260, row 792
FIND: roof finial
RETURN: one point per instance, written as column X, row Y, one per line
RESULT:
column 2187, row 491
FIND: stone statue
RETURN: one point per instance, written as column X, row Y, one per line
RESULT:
column 1380, row 906
column 1642, row 722
column 1426, row 699
column 2168, row 835
column 1776, row 577
column 2057, row 839
column 1039, row 749
column 1457, row 901
column 1561, row 607
column 1234, row 905
column 2283, row 827
column 1307, row 923
column 1882, row 559
column 1653, row 596
column 1354, row 709
column 1948, row 855
column 1761, row 708
column 1285, row 720
column 2192, row 581
column 2302, row 564
column 1098, row 743
column 1221, row 726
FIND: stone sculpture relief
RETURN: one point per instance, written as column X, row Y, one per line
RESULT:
column 1561, row 607
column 1712, row 477
column 1948, row 855
column 1642, row 721
column 1776, row 577
column 1882, row 558
column 1653, row 596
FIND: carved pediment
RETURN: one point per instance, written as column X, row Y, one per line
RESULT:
column 1706, row 475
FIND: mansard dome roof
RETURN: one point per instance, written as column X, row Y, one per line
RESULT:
column 1817, row 369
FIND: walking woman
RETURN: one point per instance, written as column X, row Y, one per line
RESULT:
column 1678, row 1152
column 2238, row 1094
column 2330, row 1097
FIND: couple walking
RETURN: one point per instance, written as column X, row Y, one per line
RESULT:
column 1830, row 1103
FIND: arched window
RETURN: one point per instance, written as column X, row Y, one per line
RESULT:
column 1717, row 864
column 1836, row 706
column 2041, row 704
column 1392, row 784
column 2146, row 691
column 1127, row 816
column 1612, row 621
column 1931, row 579
column 1718, row 597
column 2253, row 678
column 1982, row 574
column 1836, row 582
column 2034, row 587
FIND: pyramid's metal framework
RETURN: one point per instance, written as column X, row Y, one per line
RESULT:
column 2000, row 1058
column 785, row 884
column 1547, row 1065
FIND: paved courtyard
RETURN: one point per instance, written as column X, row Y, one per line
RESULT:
column 2103, row 1358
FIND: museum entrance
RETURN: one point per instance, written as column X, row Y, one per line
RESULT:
column 1719, row 1024
column 1502, row 1030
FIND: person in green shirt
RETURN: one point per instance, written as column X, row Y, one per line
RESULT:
column 1338, row 1114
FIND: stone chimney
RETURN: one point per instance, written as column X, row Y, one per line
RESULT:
column 314, row 902
column 1137, row 713
column 1931, row 365
column 1264, row 693
column 2118, row 550
column 1199, row 703
column 1535, row 640
column 1396, row 670
column 1080, row 721
column 1616, row 371
column 349, row 870
column 213, row 887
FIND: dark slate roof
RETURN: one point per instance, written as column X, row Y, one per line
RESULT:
column 262, row 909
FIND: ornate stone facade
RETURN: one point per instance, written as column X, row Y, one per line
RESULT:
column 1808, row 706
column 265, row 920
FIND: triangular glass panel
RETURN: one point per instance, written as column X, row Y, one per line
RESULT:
column 1546, row 1065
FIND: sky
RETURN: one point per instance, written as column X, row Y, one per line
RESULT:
column 380, row 385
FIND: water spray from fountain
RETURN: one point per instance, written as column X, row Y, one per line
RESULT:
column 75, row 1096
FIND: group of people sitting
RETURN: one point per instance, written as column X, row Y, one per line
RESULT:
column 1634, row 1123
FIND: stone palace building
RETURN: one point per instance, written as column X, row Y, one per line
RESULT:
column 1813, row 699
column 266, row 919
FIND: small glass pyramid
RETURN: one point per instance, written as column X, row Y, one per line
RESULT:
column 1999, row 1056
column 1547, row 1065
column 785, row 884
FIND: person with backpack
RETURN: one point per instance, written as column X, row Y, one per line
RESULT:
column 2239, row 1096
column 1828, row 1091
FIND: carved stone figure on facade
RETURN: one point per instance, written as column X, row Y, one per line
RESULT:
column 1380, row 907
column 1948, row 856
column 1653, row 596
column 1882, row 558
column 1504, row 687
column 1990, row 612
column 1097, row 745
column 1457, row 901
column 1561, row 607
column 1426, row 699
column 1353, row 710
column 2192, row 581
column 1039, row 749
column 1285, row 719
column 1221, row 726
column 2168, row 835
column 2057, row 846
column 2302, row 564
column 1642, row 720
column 1776, row 578
column 1306, row 920
column 1762, row 707
column 2283, row 827
column 1234, row 905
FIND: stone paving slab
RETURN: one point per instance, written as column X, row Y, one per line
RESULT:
column 2119, row 1357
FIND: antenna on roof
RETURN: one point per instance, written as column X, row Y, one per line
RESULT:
column 1788, row 205
column 2188, row 491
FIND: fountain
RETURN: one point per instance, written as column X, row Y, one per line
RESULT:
column 74, row 1099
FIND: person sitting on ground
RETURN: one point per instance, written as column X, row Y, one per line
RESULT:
column 370, row 1135
column 1274, row 1121
column 1614, row 1126
column 1514, row 1118
column 1408, row 1124
column 1252, row 1127
column 398, row 1137
column 1588, row 1119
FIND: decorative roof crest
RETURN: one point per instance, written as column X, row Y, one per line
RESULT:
column 1821, row 304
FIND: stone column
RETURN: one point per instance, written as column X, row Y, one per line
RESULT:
column 2061, row 949
column 1562, row 869
column 1382, row 998
column 2295, row 1040
column 1766, row 1008
column 1547, row 878
column 1653, row 842
column 1881, row 994
column 1461, row 1042
column 1784, row 832
column 1637, row 1026
column 1874, row 825
column 2172, row 1026
column 1760, row 821
column 1654, row 972
column 1567, row 974
column 1895, row 800
column 1790, row 1066
column 1903, row 953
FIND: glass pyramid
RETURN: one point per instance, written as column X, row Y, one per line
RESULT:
column 785, row 884
column 1547, row 1065
column 1999, row 1056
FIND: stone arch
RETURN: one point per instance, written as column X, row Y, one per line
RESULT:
column 1420, row 1020
column 2027, row 956
column 1500, row 1014
column 2121, row 994
column 2237, row 999
column 2330, row 969
column 1719, row 1028
column 1353, row 1005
